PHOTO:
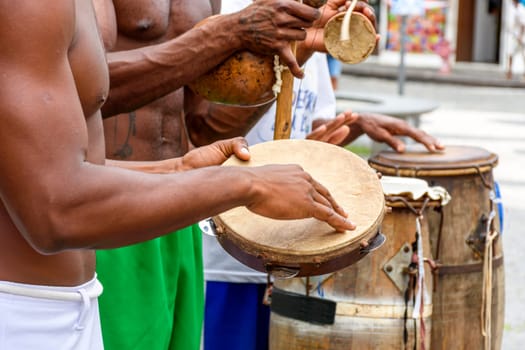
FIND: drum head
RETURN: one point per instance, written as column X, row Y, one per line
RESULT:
column 418, row 161
column 362, row 40
column 350, row 180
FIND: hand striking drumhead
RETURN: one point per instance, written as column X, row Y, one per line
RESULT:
column 309, row 245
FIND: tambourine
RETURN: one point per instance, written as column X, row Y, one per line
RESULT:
column 354, row 44
column 307, row 247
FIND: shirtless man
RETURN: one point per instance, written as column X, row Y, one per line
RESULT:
column 59, row 201
column 150, row 61
column 147, row 65
column 153, row 54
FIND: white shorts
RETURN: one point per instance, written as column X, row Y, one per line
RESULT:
column 42, row 317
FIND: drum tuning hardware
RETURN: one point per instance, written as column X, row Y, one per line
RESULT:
column 208, row 227
column 476, row 240
column 282, row 272
column 373, row 243
column 397, row 268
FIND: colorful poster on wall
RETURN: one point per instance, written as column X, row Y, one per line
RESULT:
column 424, row 33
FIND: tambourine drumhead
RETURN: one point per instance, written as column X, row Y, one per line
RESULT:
column 308, row 245
column 362, row 38
column 417, row 161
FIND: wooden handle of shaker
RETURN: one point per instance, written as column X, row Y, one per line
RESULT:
column 283, row 114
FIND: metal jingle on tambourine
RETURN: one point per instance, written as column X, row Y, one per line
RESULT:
column 361, row 42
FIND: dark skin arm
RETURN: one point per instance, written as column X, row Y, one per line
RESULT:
column 208, row 122
column 266, row 26
column 348, row 126
column 214, row 154
column 53, row 181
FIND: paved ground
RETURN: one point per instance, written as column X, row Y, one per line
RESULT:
column 493, row 118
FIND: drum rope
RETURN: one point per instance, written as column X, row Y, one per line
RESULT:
column 419, row 302
column 486, row 183
column 441, row 222
column 417, row 212
column 416, row 284
column 409, row 295
column 486, row 294
column 267, row 297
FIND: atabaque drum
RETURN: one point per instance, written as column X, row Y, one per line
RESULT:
column 307, row 247
column 469, row 291
column 382, row 302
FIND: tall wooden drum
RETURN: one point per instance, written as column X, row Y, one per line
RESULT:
column 469, row 291
column 371, row 304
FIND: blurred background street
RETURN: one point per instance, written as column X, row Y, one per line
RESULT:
column 489, row 114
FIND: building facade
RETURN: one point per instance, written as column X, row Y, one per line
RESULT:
column 472, row 31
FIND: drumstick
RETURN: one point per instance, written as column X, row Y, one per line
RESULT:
column 283, row 114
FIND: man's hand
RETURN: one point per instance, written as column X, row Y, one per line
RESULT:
column 268, row 27
column 279, row 191
column 380, row 128
column 333, row 131
column 315, row 35
column 213, row 154
column 288, row 192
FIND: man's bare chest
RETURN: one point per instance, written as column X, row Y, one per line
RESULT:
column 154, row 21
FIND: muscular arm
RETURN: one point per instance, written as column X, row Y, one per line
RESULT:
column 214, row 154
column 266, row 26
column 207, row 122
column 55, row 189
column 348, row 126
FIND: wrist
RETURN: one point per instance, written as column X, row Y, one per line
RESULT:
column 234, row 31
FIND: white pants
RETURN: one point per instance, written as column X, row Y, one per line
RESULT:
column 54, row 318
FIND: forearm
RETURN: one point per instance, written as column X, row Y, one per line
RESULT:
column 210, row 122
column 107, row 207
column 153, row 167
column 143, row 75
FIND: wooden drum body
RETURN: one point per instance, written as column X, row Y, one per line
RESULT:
column 307, row 247
column 368, row 298
column 468, row 310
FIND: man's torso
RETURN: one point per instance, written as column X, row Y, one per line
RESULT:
column 21, row 262
column 156, row 131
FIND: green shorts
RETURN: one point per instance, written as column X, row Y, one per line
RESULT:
column 153, row 293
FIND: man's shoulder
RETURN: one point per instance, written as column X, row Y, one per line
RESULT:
column 37, row 25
